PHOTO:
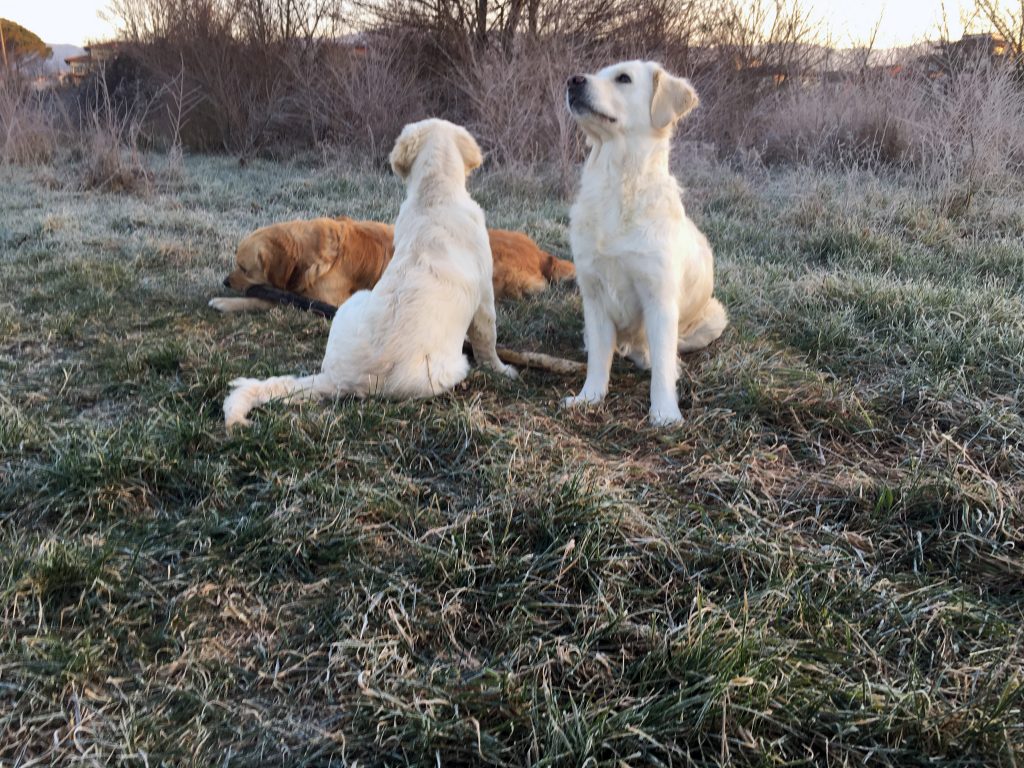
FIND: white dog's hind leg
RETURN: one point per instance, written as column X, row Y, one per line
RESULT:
column 250, row 393
column 708, row 327
column 483, row 335
column 661, row 318
column 599, row 332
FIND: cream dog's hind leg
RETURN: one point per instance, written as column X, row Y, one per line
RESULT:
column 483, row 335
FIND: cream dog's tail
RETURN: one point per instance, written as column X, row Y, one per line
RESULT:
column 708, row 326
column 250, row 393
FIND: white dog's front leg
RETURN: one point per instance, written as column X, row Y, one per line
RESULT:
column 599, row 331
column 661, row 319
column 240, row 304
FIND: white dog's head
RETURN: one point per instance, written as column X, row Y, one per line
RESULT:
column 453, row 150
column 629, row 98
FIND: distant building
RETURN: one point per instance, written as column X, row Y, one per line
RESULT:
column 972, row 49
column 95, row 58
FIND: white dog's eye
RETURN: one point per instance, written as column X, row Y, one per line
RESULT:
column 623, row 78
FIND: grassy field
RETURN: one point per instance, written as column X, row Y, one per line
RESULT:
column 824, row 565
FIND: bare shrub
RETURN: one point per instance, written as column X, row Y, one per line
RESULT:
column 744, row 52
column 969, row 137
column 110, row 138
column 512, row 100
column 361, row 97
column 959, row 134
column 29, row 123
column 863, row 122
column 236, row 59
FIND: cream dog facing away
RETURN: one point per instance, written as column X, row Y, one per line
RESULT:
column 403, row 338
column 644, row 270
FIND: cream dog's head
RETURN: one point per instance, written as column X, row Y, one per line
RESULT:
column 453, row 150
column 629, row 99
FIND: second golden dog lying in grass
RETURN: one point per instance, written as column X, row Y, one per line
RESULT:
column 330, row 259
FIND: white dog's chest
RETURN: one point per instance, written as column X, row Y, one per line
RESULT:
column 606, row 276
column 621, row 265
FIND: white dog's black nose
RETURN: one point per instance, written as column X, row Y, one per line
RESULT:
column 576, row 82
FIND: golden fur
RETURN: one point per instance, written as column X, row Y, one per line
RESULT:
column 330, row 259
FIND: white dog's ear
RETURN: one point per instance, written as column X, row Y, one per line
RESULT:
column 673, row 98
column 469, row 149
column 407, row 146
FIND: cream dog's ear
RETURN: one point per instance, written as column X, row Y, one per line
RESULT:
column 407, row 146
column 468, row 148
column 673, row 98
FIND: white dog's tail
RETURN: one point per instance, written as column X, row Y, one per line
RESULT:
column 706, row 328
column 250, row 393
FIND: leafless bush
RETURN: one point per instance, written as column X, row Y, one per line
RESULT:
column 745, row 52
column 513, row 99
column 29, row 126
column 959, row 134
column 361, row 96
column 237, row 60
column 969, row 136
column 859, row 121
column 110, row 139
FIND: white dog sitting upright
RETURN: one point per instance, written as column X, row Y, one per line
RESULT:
column 644, row 270
column 404, row 338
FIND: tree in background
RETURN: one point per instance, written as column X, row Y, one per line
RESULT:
column 21, row 48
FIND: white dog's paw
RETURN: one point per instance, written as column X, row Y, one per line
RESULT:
column 220, row 303
column 666, row 415
column 584, row 398
column 236, row 405
column 509, row 371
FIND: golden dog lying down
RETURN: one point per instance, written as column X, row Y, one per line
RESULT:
column 330, row 259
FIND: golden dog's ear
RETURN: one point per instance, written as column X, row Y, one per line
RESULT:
column 472, row 157
column 673, row 98
column 279, row 272
column 407, row 146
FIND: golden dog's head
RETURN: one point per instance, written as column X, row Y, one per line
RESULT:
column 632, row 98
column 452, row 144
column 250, row 269
column 289, row 255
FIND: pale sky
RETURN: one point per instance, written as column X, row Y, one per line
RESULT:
column 849, row 21
column 900, row 22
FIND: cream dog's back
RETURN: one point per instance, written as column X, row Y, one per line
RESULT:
column 412, row 324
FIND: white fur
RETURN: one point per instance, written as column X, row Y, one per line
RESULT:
column 227, row 304
column 404, row 338
column 644, row 270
